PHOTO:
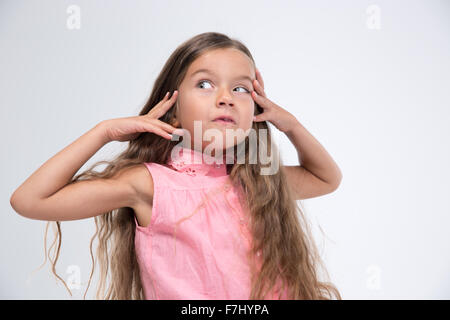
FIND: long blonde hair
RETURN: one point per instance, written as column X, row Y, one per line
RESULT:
column 278, row 225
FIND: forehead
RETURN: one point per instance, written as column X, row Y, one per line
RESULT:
column 227, row 62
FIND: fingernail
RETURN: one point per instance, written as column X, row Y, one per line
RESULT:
column 178, row 132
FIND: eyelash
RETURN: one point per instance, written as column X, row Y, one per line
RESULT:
column 248, row 91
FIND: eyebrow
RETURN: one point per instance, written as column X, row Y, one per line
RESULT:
column 210, row 72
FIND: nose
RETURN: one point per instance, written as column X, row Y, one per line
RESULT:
column 224, row 99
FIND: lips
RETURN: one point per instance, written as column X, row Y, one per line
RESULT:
column 224, row 119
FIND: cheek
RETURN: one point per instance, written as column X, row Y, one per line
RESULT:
column 191, row 109
column 193, row 102
column 186, row 107
column 247, row 116
column 246, row 124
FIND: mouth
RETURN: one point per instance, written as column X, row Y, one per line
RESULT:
column 227, row 120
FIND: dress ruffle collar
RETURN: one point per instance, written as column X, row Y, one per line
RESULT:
column 196, row 163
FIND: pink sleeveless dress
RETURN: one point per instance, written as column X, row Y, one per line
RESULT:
column 196, row 244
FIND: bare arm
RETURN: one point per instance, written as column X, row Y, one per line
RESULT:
column 46, row 194
column 318, row 174
column 56, row 172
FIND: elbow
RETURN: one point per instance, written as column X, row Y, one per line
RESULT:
column 15, row 204
column 20, row 206
column 336, row 183
column 13, row 201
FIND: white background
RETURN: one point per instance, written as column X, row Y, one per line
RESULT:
column 378, row 100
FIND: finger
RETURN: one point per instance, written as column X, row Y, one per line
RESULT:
column 166, row 106
column 155, row 129
column 169, row 102
column 165, row 126
column 166, row 130
column 259, row 88
column 174, row 94
column 260, row 117
column 259, row 78
column 159, row 104
column 166, row 98
column 163, row 106
column 263, row 102
column 170, row 128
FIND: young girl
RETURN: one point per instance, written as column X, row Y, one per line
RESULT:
column 174, row 222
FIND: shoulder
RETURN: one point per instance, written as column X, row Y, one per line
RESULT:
column 139, row 178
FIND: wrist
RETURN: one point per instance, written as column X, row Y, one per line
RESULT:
column 102, row 131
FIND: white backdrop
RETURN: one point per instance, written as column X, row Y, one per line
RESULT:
column 369, row 79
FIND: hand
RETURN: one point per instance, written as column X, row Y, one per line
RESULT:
column 129, row 128
column 280, row 118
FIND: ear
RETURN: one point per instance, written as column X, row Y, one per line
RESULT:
column 175, row 123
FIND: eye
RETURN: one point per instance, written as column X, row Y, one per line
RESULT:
column 202, row 81
column 244, row 89
column 206, row 81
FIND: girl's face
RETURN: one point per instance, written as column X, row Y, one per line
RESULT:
column 217, row 83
